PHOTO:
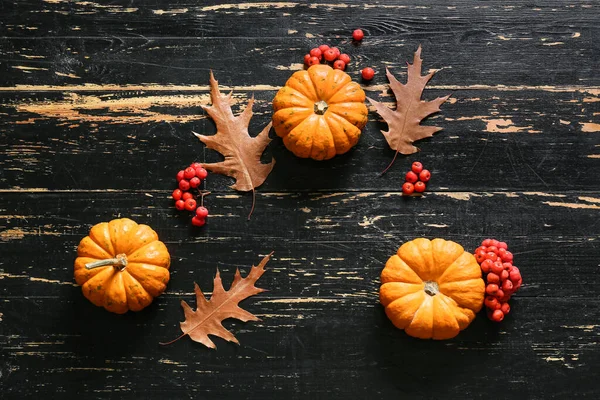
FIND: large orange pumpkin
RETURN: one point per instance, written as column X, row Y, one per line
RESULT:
column 122, row 266
column 431, row 289
column 319, row 112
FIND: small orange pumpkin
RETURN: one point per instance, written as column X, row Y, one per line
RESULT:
column 319, row 112
column 122, row 266
column 431, row 289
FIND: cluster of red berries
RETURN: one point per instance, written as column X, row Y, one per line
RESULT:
column 415, row 179
column 502, row 278
column 329, row 54
column 188, row 179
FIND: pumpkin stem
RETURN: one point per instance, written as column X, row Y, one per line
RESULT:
column 320, row 107
column 119, row 262
column 431, row 288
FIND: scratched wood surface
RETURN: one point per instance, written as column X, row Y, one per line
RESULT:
column 97, row 104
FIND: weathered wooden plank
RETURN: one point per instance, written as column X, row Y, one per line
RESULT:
column 519, row 20
column 528, row 140
column 331, row 245
column 328, row 349
column 247, row 61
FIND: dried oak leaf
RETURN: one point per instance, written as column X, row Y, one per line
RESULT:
column 404, row 123
column 209, row 314
column 241, row 151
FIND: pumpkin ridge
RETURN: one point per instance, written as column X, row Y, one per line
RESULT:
column 129, row 294
column 340, row 87
column 108, row 251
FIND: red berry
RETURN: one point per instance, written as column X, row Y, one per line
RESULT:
column 323, row 48
column 493, row 278
column 336, row 51
column 500, row 251
column 330, row 55
column 420, row 187
column 480, row 255
column 505, row 308
column 491, row 256
column 425, row 175
column 500, row 293
column 339, row 64
column 411, row 177
column 504, row 298
column 502, row 245
column 507, row 266
column 408, row 188
column 180, row 175
column 189, row 173
column 345, row 58
column 306, row 58
column 313, row 61
column 177, row 193
column 514, row 274
column 507, row 286
column 507, row 256
column 195, row 182
column 202, row 212
column 494, row 243
column 417, row 167
column 198, row 221
column 367, row 73
column 491, row 289
column 187, row 195
column 316, row 53
column 493, row 249
column 358, row 35
column 491, row 302
column 486, row 266
column 504, row 275
column 180, row 205
column 497, row 315
column 196, row 165
column 496, row 267
column 190, row 204
column 201, row 173
column 486, row 242
column 184, row 185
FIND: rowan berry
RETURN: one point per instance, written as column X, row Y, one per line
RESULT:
column 190, row 204
column 177, row 193
column 202, row 212
column 491, row 289
column 184, row 185
column 411, row 177
column 507, row 286
column 425, row 175
column 408, row 188
column 187, row 195
column 313, row 61
column 504, row 275
column 507, row 256
column 323, row 48
column 198, row 221
column 420, row 187
column 497, row 315
column 358, row 35
column 180, row 175
column 306, row 58
column 316, row 53
column 330, row 55
column 486, row 265
column 491, row 302
column 496, row 268
column 345, row 58
column 493, row 278
column 367, row 73
column 195, row 182
column 180, row 205
column 339, row 64
column 505, row 308
column 336, row 51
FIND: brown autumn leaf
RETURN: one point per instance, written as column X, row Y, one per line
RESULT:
column 209, row 314
column 404, row 123
column 241, row 151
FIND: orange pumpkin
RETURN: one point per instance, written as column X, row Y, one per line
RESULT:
column 319, row 112
column 431, row 289
column 122, row 266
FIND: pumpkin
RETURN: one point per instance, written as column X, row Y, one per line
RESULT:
column 122, row 266
column 319, row 112
column 431, row 289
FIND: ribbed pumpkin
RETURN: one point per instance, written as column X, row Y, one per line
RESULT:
column 431, row 289
column 319, row 112
column 122, row 266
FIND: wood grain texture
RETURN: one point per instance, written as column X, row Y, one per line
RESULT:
column 97, row 104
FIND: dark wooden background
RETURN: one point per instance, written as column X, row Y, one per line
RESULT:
column 98, row 100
